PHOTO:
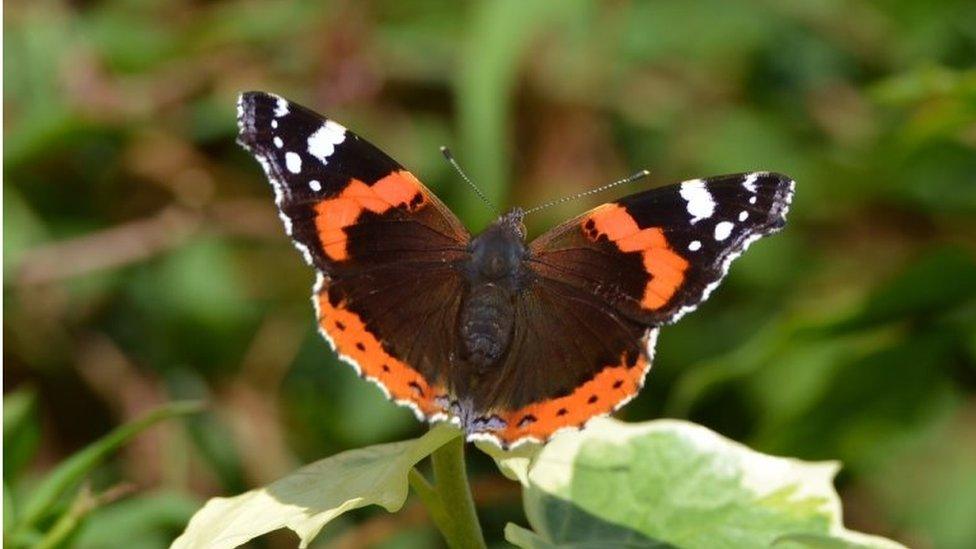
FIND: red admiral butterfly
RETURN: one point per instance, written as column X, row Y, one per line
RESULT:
column 511, row 340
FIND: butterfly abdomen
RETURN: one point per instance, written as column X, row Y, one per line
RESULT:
column 487, row 318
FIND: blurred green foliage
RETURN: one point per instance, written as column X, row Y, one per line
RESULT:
column 35, row 514
column 144, row 263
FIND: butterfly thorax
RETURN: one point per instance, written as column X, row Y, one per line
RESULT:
column 494, row 275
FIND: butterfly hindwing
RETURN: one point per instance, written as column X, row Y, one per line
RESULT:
column 573, row 357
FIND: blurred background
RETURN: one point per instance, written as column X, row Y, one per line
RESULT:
column 144, row 261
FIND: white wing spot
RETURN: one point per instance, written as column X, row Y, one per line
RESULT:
column 752, row 200
column 723, row 229
column 750, row 182
column 281, row 107
column 274, row 124
column 315, row 185
column 700, row 202
column 743, row 215
column 322, row 143
column 293, row 162
column 278, row 142
column 694, row 246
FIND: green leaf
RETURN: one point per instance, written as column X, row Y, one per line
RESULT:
column 852, row 540
column 18, row 407
column 67, row 475
column 21, row 431
column 22, row 228
column 524, row 537
column 9, row 512
column 306, row 500
column 150, row 520
column 675, row 483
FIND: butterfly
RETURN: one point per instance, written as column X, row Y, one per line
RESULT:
column 511, row 340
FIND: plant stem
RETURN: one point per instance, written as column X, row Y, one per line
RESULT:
column 431, row 499
column 461, row 529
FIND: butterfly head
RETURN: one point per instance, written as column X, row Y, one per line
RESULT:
column 514, row 221
column 498, row 251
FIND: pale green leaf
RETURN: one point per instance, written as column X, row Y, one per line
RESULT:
column 514, row 464
column 306, row 500
column 673, row 483
column 523, row 537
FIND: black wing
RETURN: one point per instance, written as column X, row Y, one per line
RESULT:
column 384, row 245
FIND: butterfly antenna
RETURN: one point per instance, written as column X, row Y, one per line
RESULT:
column 630, row 179
column 450, row 158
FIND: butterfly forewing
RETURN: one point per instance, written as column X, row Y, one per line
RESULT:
column 656, row 255
column 330, row 183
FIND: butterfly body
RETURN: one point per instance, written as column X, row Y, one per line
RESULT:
column 495, row 274
column 511, row 339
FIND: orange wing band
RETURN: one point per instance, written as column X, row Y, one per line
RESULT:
column 603, row 394
column 353, row 341
column 398, row 190
column 665, row 267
